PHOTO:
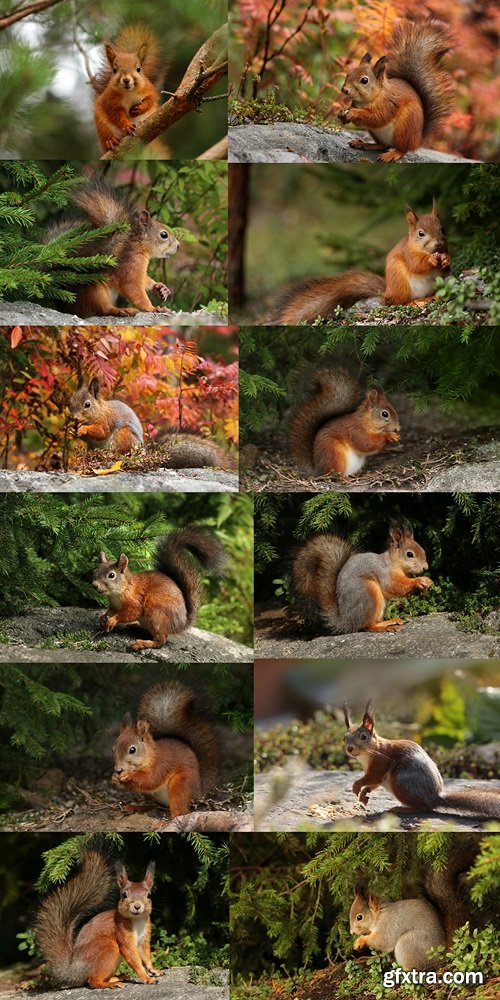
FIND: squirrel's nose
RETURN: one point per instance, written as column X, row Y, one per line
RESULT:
column 425, row 568
column 118, row 770
column 345, row 89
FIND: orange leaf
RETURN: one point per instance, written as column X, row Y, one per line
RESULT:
column 16, row 336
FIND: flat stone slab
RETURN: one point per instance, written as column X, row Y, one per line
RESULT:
column 36, row 631
column 291, row 142
column 26, row 313
column 206, row 480
column 297, row 797
column 474, row 477
column 174, row 984
column 434, row 635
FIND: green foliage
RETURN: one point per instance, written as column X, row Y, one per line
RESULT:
column 34, row 269
column 51, row 543
column 430, row 365
column 292, row 894
column 457, row 531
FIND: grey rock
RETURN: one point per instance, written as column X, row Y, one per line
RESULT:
column 297, row 797
column 434, row 635
column 477, row 477
column 174, row 984
column 26, row 313
column 289, row 142
column 161, row 481
column 36, row 626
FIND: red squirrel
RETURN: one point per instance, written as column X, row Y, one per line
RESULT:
column 164, row 601
column 127, row 85
column 406, row 96
column 89, row 954
column 411, row 269
column 170, row 753
column 335, row 427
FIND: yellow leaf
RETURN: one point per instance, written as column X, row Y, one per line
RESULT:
column 106, row 472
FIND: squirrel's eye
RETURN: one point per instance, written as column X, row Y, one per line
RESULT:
column 359, row 916
column 409, row 554
column 149, row 895
column 124, row 895
column 421, row 233
column 111, row 575
column 132, row 749
column 385, row 414
column 363, row 736
column 164, row 234
column 87, row 404
column 364, row 80
column 138, row 70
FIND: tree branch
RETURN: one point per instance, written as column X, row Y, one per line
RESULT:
column 217, row 152
column 206, row 68
column 33, row 8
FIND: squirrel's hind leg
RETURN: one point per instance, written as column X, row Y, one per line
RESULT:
column 104, row 959
column 95, row 300
column 391, row 625
column 391, row 156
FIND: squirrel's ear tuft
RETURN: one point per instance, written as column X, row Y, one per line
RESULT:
column 347, row 717
column 122, row 562
column 110, row 52
column 411, row 216
column 142, row 216
column 150, row 874
column 367, row 58
column 142, row 727
column 396, row 533
column 368, row 720
column 406, row 528
column 95, row 388
column 379, row 68
column 435, row 209
column 373, row 395
column 142, row 53
column 360, row 890
column 102, row 557
column 126, row 722
column 121, row 874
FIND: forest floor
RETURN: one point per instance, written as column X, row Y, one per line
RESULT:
column 330, row 983
column 436, row 635
column 82, row 797
column 298, row 797
column 73, row 635
column 185, row 983
column 428, row 460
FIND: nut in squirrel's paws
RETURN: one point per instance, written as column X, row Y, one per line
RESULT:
column 162, row 290
column 344, row 115
column 425, row 582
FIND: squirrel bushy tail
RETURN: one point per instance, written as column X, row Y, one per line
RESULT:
column 416, row 50
column 315, row 569
column 189, row 451
column 134, row 38
column 444, row 888
column 303, row 301
column 171, row 710
column 63, row 909
column 482, row 803
column 330, row 393
column 171, row 558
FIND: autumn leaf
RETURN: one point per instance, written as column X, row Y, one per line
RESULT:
column 16, row 336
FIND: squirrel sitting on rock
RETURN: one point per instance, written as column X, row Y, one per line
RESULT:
column 405, row 98
column 138, row 239
column 83, row 951
column 164, row 601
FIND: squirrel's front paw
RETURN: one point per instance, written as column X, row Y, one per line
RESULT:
column 162, row 290
column 107, row 622
column 424, row 582
column 129, row 128
column 112, row 142
column 83, row 430
column 444, row 260
column 345, row 115
column 360, row 942
column 435, row 259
